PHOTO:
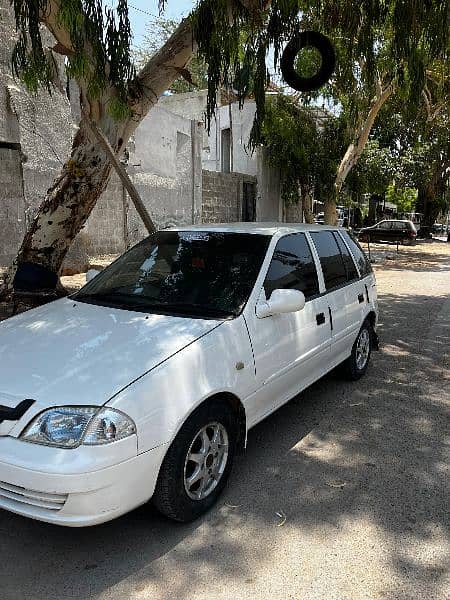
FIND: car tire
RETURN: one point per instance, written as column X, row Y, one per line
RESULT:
column 357, row 363
column 175, row 497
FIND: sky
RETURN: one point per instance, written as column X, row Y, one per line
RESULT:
column 141, row 12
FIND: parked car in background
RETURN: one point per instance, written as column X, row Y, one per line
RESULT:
column 145, row 382
column 394, row 230
column 439, row 229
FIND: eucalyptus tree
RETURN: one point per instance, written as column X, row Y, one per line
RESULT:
column 377, row 168
column 420, row 142
column 385, row 48
column 233, row 38
column 433, row 125
column 159, row 30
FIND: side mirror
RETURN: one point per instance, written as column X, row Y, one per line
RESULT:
column 91, row 274
column 280, row 302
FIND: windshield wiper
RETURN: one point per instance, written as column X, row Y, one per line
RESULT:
column 121, row 300
column 113, row 299
column 198, row 309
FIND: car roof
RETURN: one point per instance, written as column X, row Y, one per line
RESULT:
column 257, row 228
column 397, row 220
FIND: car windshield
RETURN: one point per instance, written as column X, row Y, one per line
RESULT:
column 187, row 273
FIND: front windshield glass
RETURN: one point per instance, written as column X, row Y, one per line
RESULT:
column 187, row 273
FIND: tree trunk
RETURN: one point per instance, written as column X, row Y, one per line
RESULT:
column 429, row 194
column 330, row 212
column 308, row 206
column 355, row 150
column 67, row 205
column 75, row 191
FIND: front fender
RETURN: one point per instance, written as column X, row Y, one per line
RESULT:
column 162, row 400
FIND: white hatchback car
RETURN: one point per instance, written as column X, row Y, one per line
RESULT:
column 145, row 382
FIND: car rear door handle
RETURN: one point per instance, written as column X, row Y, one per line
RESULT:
column 360, row 298
column 320, row 318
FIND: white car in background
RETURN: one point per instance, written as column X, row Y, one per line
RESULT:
column 145, row 382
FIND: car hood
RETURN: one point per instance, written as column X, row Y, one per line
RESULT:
column 68, row 353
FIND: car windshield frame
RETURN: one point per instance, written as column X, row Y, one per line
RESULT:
column 235, row 257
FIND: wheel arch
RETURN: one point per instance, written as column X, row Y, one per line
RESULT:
column 234, row 403
column 372, row 318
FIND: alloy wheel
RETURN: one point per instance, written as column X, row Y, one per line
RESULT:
column 362, row 349
column 206, row 461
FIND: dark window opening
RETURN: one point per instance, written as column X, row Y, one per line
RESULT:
column 331, row 260
column 248, row 202
column 292, row 267
column 364, row 266
column 350, row 268
column 226, row 150
column 187, row 273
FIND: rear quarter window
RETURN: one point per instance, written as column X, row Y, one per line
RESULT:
column 364, row 266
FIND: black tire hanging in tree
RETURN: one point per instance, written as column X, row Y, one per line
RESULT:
column 325, row 48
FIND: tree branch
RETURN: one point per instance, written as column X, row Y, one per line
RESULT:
column 121, row 172
column 355, row 149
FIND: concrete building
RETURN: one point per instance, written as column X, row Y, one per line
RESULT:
column 226, row 150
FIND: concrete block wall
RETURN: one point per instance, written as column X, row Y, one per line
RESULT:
column 12, row 204
column 165, row 166
column 293, row 213
column 105, row 231
column 222, row 196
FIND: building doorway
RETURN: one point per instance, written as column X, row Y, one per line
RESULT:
column 248, row 202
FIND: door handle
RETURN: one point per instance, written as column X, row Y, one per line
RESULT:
column 360, row 298
column 320, row 318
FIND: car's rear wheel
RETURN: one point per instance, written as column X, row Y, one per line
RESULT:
column 357, row 363
column 198, row 463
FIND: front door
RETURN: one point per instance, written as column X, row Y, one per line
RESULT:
column 291, row 350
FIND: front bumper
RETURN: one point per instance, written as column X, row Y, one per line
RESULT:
column 74, row 492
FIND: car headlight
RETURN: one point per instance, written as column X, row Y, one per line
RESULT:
column 70, row 426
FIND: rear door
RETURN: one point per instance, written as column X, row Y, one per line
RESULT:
column 356, row 297
column 341, row 291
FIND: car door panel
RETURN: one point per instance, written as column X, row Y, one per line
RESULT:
column 301, row 329
column 343, row 290
column 290, row 353
column 289, row 349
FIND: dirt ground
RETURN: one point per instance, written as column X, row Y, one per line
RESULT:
column 342, row 494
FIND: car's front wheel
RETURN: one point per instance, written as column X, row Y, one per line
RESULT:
column 197, row 464
column 357, row 363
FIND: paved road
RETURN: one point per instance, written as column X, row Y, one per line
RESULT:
column 359, row 470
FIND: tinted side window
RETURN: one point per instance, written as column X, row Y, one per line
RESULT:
column 292, row 267
column 349, row 265
column 361, row 259
column 331, row 260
